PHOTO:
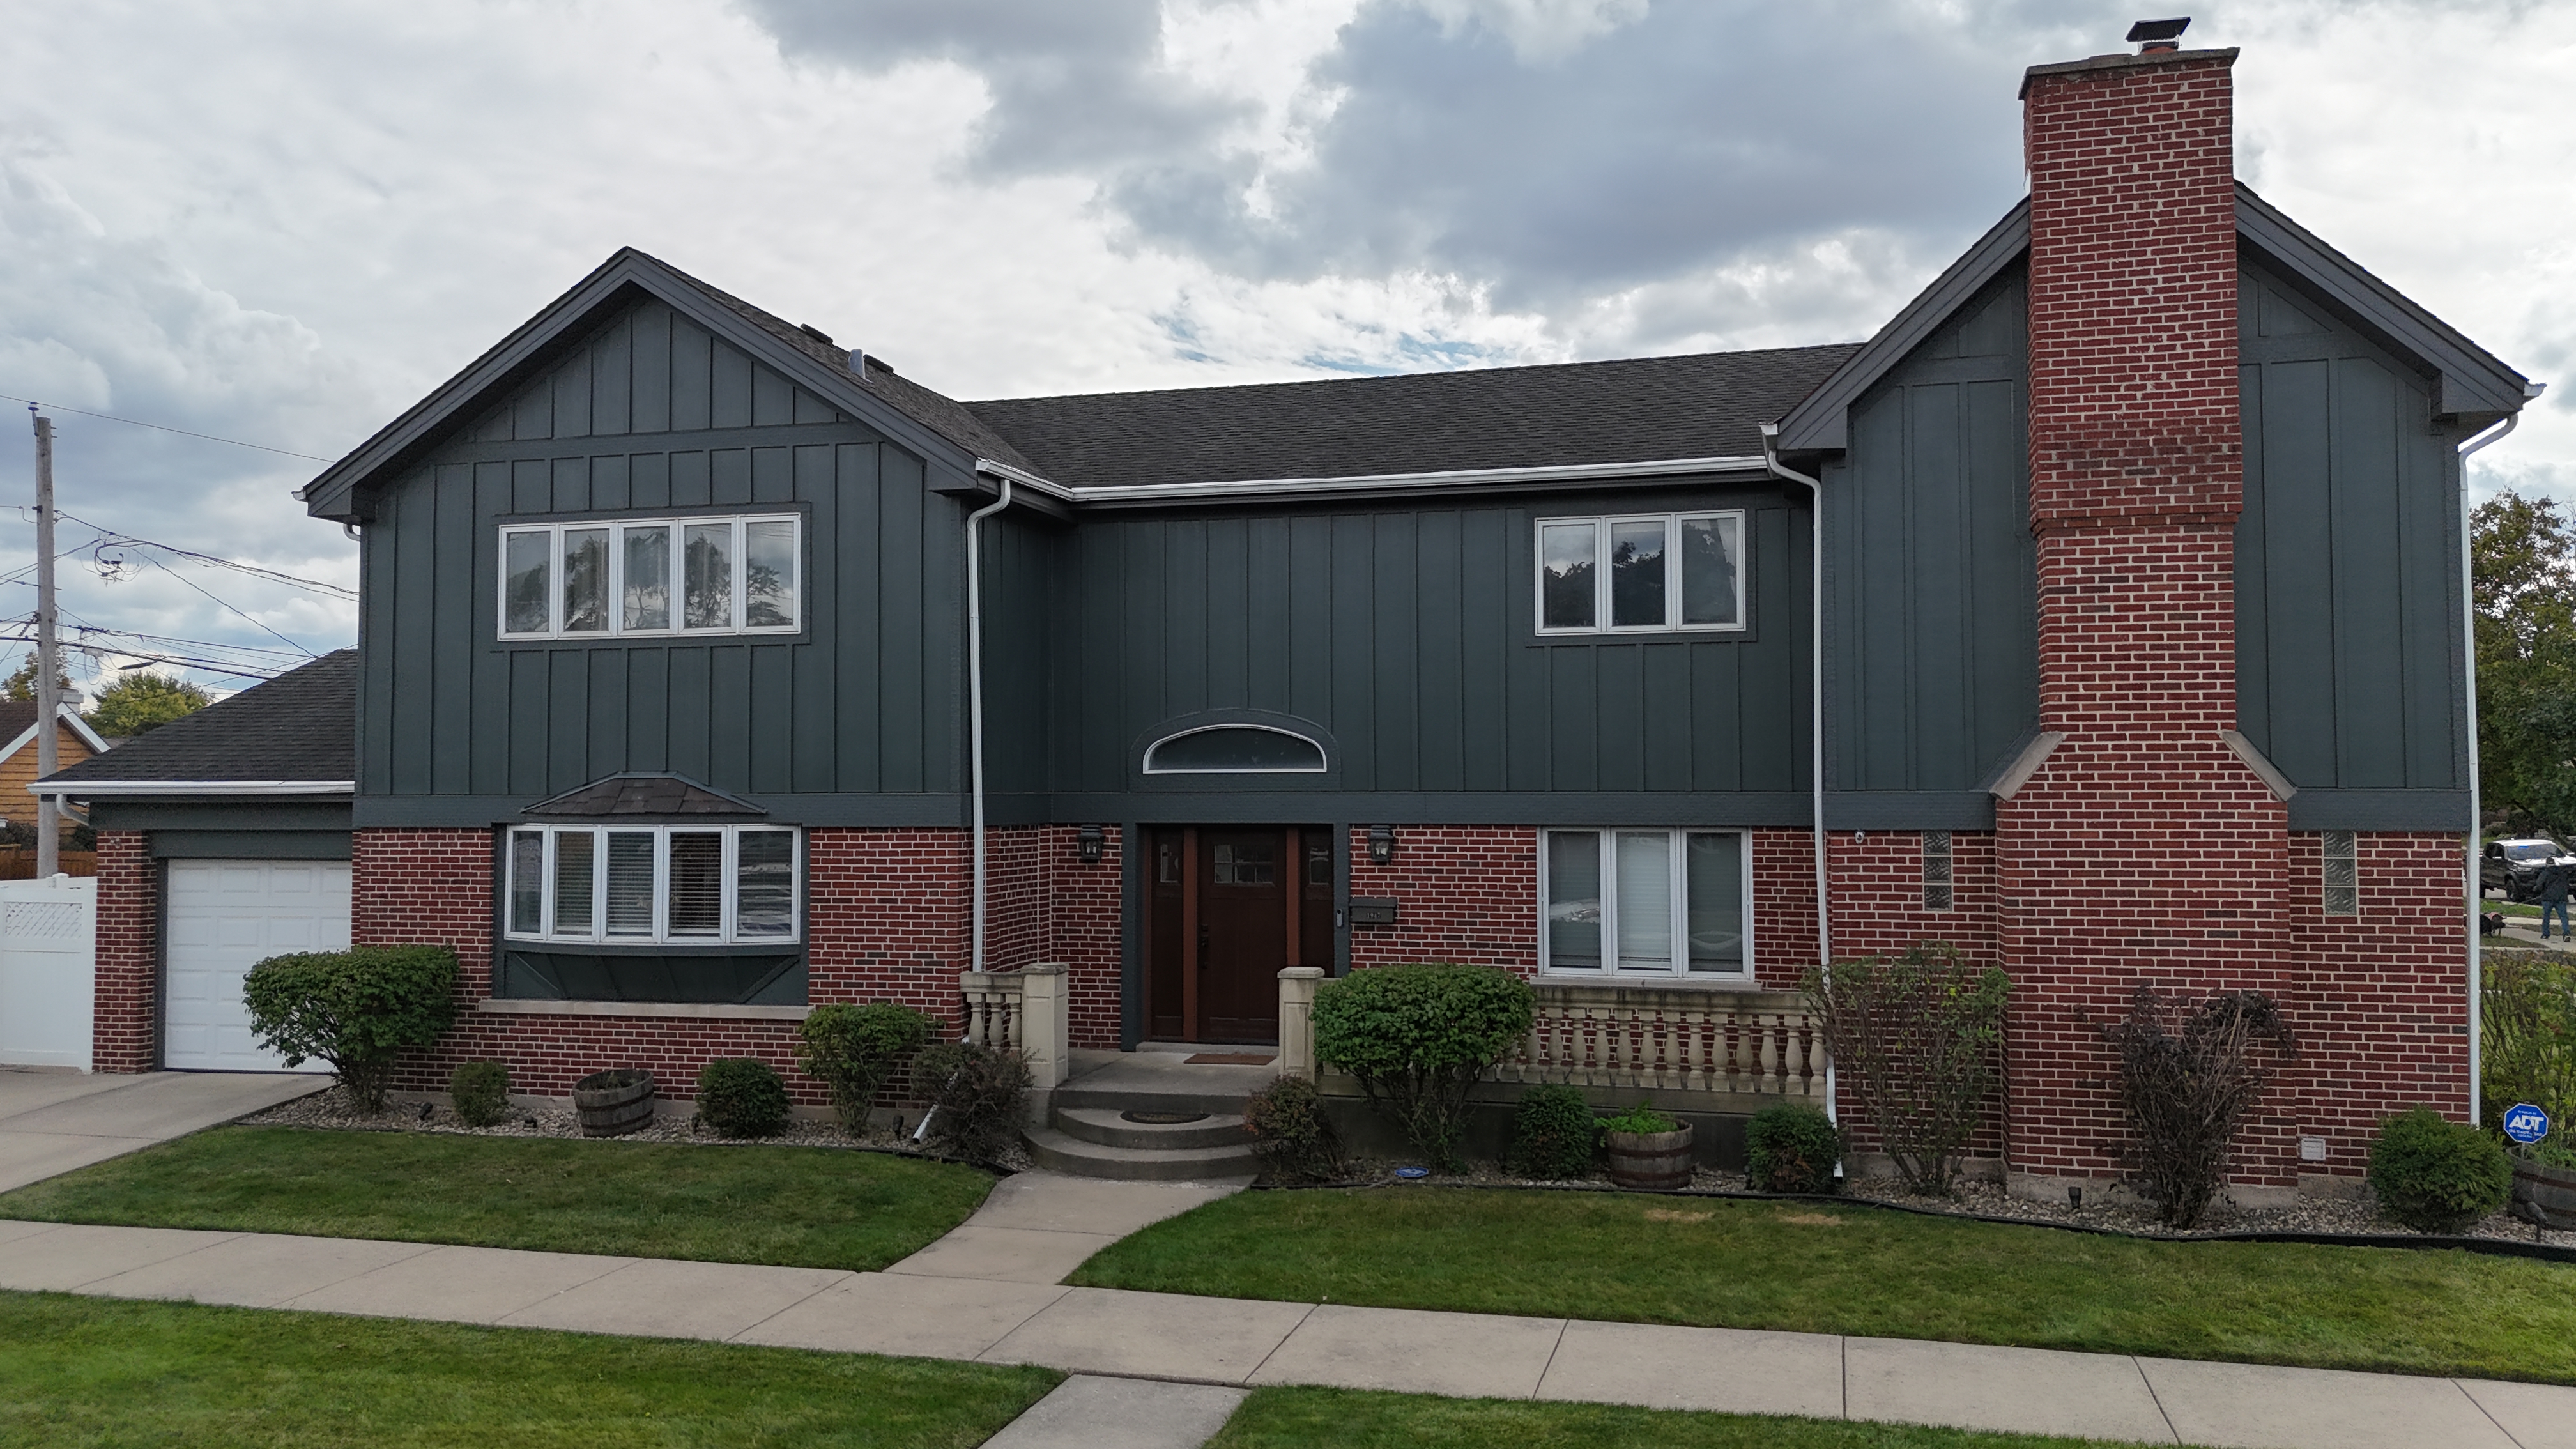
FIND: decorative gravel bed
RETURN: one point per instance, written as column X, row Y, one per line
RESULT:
column 334, row 1110
column 2350, row 1217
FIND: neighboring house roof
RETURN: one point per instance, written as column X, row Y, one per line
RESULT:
column 2471, row 381
column 18, row 726
column 297, row 733
column 1649, row 409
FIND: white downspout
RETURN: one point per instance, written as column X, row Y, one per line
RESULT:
column 1815, row 710
column 2477, row 822
column 975, row 695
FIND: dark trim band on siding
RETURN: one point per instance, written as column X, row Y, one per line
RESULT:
column 223, row 815
column 2443, row 812
column 250, row 844
column 475, row 811
column 1909, row 810
column 1642, row 807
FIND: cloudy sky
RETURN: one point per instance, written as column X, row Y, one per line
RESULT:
column 282, row 222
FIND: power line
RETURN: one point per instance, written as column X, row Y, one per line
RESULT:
column 32, row 405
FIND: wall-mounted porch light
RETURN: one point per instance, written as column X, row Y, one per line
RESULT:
column 1088, row 844
column 1381, row 844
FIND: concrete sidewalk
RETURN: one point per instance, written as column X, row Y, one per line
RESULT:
column 934, row 1306
column 52, row 1122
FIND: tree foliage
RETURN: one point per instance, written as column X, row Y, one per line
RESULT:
column 354, row 1009
column 857, row 1048
column 142, row 702
column 1417, row 1037
column 1917, row 1039
column 20, row 687
column 2189, row 1077
column 2522, row 568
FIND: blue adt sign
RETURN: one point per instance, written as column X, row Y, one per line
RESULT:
column 2526, row 1123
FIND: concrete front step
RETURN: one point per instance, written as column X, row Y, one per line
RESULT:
column 1061, row 1152
column 1109, row 1127
column 1151, row 1097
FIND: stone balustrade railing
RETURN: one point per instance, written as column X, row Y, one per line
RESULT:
column 1023, row 1010
column 1674, row 1039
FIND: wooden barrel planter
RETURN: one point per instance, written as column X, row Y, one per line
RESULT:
column 2544, row 1195
column 1656, row 1161
column 614, row 1103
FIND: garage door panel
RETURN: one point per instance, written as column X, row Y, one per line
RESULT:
column 226, row 917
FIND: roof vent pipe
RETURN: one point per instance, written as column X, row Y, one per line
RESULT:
column 2154, row 36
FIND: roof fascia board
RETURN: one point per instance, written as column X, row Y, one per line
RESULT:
column 87, row 789
column 2473, row 381
column 67, row 715
column 535, row 342
column 1457, row 480
column 1819, row 423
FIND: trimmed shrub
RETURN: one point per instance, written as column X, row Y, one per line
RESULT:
column 1641, row 1120
column 976, row 1095
column 1791, row 1147
column 2188, row 1081
column 1417, row 1037
column 856, row 1050
column 1291, row 1134
column 1916, row 1039
column 2436, row 1175
column 354, row 1009
column 480, row 1092
column 739, row 1097
column 1554, row 1134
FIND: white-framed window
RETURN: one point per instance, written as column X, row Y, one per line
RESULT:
column 1657, row 903
column 2342, row 861
column 726, row 575
column 1936, row 870
column 652, row 885
column 1640, row 573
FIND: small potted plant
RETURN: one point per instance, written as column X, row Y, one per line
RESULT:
column 1648, row 1149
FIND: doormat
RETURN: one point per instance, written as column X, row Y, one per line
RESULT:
column 1230, row 1059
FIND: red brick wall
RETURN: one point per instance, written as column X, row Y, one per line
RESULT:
column 1784, row 907
column 1083, row 911
column 1877, row 883
column 1466, row 893
column 124, row 1016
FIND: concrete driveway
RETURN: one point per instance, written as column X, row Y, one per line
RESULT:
column 52, row 1122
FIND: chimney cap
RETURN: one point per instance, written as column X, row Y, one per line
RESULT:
column 2158, row 34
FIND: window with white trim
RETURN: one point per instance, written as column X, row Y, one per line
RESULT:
column 1640, row 573
column 730, row 575
column 652, row 885
column 1656, row 903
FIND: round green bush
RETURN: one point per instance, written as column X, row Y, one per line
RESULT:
column 1418, row 1036
column 1292, row 1134
column 739, row 1097
column 1554, row 1134
column 480, row 1092
column 1791, row 1147
column 355, row 1009
column 2436, row 1175
column 856, row 1050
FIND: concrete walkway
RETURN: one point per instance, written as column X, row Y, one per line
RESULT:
column 985, row 1293
column 52, row 1122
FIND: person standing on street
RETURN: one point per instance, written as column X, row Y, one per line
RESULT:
column 2553, row 898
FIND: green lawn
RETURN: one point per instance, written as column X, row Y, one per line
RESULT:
column 800, row 1206
column 1857, row 1271
column 97, row 1371
column 1351, row 1419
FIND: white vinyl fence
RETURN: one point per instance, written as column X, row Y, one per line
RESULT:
column 48, row 970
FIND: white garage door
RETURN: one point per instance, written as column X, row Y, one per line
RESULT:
column 227, row 916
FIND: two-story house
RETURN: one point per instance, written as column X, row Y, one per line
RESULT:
column 2102, row 614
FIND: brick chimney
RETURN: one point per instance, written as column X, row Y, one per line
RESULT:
column 2144, row 848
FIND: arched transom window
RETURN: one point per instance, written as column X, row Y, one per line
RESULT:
column 1234, row 749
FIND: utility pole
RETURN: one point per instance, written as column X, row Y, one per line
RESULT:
column 49, row 822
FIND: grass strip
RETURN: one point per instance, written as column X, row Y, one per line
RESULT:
column 796, row 1206
column 1358, row 1419
column 95, row 1371
column 1815, row 1269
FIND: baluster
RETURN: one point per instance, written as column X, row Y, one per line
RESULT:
column 1695, row 1072
column 975, row 1017
column 1795, row 1082
column 1015, row 1021
column 1770, row 1059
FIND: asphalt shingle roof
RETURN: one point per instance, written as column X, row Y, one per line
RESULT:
column 1703, row 405
column 302, row 725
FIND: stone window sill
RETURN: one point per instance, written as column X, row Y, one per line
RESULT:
column 695, row 1009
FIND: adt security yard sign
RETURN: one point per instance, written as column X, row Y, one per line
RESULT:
column 2526, row 1123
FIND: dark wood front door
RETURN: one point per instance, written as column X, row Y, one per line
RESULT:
column 1228, row 907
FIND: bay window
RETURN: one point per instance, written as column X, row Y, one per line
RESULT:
column 655, row 576
column 647, row 885
column 1644, row 903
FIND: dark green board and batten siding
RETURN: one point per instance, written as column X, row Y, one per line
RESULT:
column 2349, row 668
column 855, row 717
column 1933, row 651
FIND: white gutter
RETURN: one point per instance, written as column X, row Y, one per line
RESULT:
column 90, row 789
column 1815, row 713
column 975, row 690
column 1368, row 482
column 2477, row 821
